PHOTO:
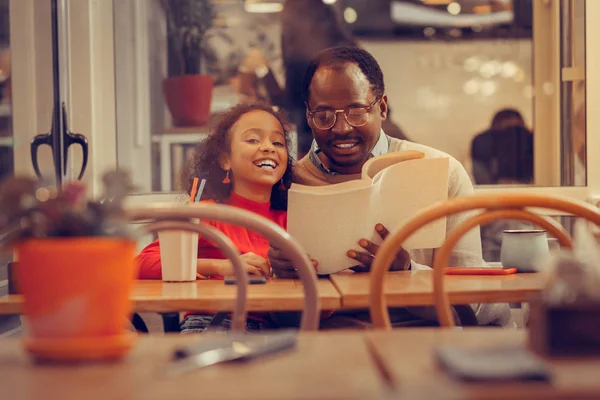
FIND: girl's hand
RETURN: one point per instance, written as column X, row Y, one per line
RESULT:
column 253, row 264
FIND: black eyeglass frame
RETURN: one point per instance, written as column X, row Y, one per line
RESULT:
column 367, row 109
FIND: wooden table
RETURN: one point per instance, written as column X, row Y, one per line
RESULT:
column 213, row 295
column 414, row 288
column 406, row 360
column 323, row 366
column 333, row 365
column 342, row 290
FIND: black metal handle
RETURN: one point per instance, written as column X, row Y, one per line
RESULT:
column 70, row 138
column 39, row 140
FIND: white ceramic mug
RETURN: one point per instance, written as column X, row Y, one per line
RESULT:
column 521, row 249
column 178, row 255
column 553, row 244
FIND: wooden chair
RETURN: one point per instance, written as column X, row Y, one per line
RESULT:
column 178, row 218
column 495, row 207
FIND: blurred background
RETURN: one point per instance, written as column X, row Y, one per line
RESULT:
column 474, row 78
column 498, row 84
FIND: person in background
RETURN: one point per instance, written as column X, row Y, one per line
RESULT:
column 346, row 104
column 502, row 155
column 246, row 164
column 307, row 27
column 506, row 118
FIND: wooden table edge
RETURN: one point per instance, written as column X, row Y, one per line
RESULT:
column 9, row 305
column 426, row 299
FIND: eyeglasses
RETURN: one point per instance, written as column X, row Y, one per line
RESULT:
column 355, row 115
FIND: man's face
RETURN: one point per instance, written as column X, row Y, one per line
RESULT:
column 346, row 147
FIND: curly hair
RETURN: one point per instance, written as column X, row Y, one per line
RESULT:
column 207, row 155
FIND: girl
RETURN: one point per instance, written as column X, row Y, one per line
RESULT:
column 246, row 164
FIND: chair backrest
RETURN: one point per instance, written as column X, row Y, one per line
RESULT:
column 149, row 199
column 496, row 207
column 175, row 217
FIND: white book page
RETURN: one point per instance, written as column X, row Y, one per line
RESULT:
column 330, row 220
column 328, row 225
column 331, row 189
column 377, row 164
column 404, row 189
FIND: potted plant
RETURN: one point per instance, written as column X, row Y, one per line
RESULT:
column 75, row 266
column 188, row 92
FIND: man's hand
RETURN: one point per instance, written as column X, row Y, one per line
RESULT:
column 281, row 265
column 365, row 258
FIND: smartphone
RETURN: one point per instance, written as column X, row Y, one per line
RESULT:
column 254, row 280
column 478, row 271
column 493, row 363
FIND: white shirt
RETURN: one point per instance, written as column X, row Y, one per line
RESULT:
column 467, row 251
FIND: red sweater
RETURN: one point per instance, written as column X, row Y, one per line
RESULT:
column 245, row 240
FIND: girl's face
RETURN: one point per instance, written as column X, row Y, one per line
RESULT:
column 258, row 155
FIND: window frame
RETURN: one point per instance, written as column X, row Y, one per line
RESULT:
column 92, row 90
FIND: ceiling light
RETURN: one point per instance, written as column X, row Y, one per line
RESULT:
column 488, row 88
column 429, row 31
column 471, row 64
column 519, row 76
column 509, row 69
column 528, row 92
column 350, row 15
column 455, row 33
column 454, row 8
column 472, row 86
column 257, row 6
column 329, row 2
column 487, row 70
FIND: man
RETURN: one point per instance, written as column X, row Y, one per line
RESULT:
column 346, row 104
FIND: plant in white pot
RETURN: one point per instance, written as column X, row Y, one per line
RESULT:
column 188, row 91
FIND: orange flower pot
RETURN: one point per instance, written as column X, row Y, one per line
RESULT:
column 77, row 296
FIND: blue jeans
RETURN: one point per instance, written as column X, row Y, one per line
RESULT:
column 217, row 322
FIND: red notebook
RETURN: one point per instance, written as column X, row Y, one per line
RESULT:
column 478, row 271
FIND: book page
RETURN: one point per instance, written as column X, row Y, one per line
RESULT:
column 376, row 164
column 402, row 190
column 330, row 189
column 327, row 225
column 330, row 220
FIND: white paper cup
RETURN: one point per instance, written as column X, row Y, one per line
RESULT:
column 178, row 255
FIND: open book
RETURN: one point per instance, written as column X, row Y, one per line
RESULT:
column 330, row 220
